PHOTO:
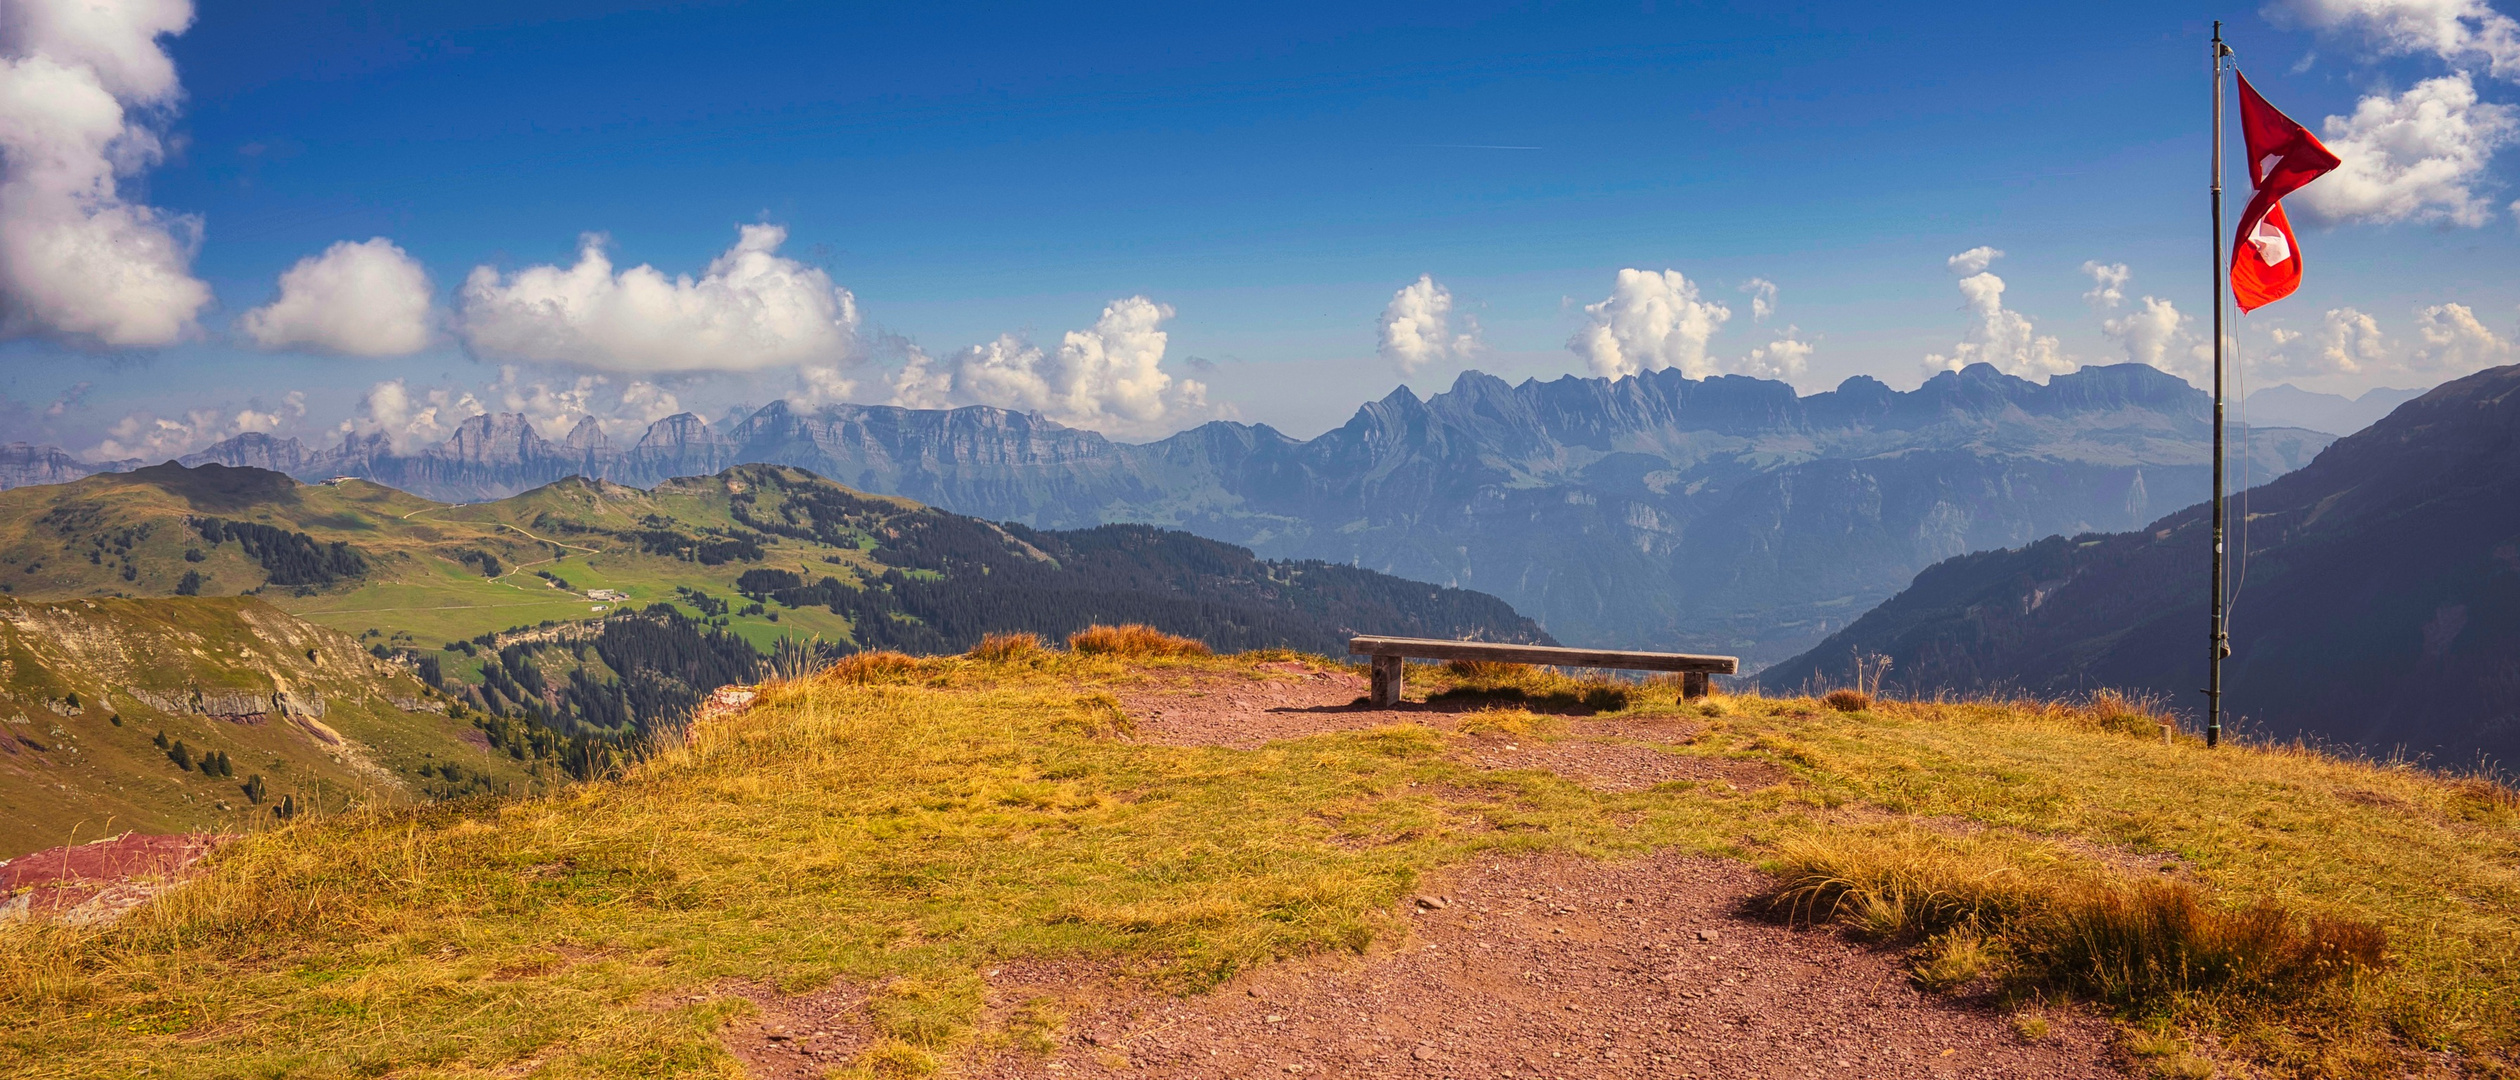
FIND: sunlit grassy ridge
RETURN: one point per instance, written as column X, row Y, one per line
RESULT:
column 906, row 824
column 93, row 693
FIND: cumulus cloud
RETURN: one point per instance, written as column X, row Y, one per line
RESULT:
column 2467, row 32
column 1417, row 327
column 2351, row 349
column 752, row 309
column 921, row 384
column 2454, row 341
column 413, row 420
column 2108, row 283
column 2155, row 333
column 1997, row 335
column 1107, row 377
column 2349, row 341
column 2417, row 156
column 1784, row 359
column 1650, row 322
column 354, row 299
column 1762, row 298
column 83, row 88
column 822, row 384
column 153, row 438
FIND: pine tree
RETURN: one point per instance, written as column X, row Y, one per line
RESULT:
column 182, row 755
column 254, row 789
column 159, row 740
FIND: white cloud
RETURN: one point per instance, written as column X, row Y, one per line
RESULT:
column 1650, row 322
column 1762, row 298
column 2153, row 333
column 921, row 384
column 2108, row 283
column 2455, row 342
column 413, row 421
column 2458, row 31
column 153, row 438
column 2418, row 156
column 752, row 309
column 1973, row 261
column 1106, row 377
column 1784, row 359
column 77, row 261
column 822, row 384
column 362, row 299
column 2349, row 341
column 1997, row 335
column 1417, row 327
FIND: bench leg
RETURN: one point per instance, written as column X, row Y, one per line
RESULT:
column 1386, row 693
column 1695, row 684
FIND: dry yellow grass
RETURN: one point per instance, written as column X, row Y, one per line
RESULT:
column 906, row 824
column 1135, row 640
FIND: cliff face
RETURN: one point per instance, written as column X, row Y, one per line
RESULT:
column 1725, row 514
column 2380, row 604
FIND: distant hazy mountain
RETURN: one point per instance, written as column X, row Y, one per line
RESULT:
column 2286, row 405
column 2381, row 603
column 1725, row 514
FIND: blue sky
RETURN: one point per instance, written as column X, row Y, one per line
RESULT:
column 1263, row 183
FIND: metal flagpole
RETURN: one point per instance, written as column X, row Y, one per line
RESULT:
column 2221, row 644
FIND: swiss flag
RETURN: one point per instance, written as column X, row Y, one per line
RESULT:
column 2283, row 155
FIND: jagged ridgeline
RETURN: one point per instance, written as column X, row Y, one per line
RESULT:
column 167, row 715
column 598, row 609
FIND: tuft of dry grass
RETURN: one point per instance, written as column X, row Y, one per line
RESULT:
column 1847, row 700
column 1491, row 680
column 1134, row 641
column 1490, row 671
column 2051, row 921
column 2157, row 940
column 2143, row 715
column 881, row 666
column 1008, row 649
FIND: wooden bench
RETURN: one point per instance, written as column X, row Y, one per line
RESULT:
column 1389, row 653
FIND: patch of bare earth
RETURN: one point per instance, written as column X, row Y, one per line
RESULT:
column 799, row 1036
column 1563, row 967
column 1291, row 700
column 97, row 881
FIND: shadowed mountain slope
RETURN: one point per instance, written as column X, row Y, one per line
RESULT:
column 2379, row 601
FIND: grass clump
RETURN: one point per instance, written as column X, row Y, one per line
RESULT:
column 1847, row 700
column 1493, row 680
column 1134, row 641
column 1518, row 723
column 1008, row 649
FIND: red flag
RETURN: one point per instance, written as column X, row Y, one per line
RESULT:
column 2283, row 155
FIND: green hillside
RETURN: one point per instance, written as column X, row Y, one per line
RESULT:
column 600, row 609
column 170, row 715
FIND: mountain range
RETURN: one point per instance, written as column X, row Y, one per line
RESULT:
column 2286, row 405
column 1727, row 514
column 2376, row 596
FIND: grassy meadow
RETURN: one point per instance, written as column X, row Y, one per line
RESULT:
column 907, row 824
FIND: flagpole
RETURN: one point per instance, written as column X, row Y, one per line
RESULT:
column 2221, row 639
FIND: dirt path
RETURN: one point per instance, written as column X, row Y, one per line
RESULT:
column 97, row 881
column 1562, row 967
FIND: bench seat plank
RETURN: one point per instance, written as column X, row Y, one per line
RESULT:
column 1433, row 649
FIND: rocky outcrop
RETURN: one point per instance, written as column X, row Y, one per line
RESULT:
column 235, row 706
